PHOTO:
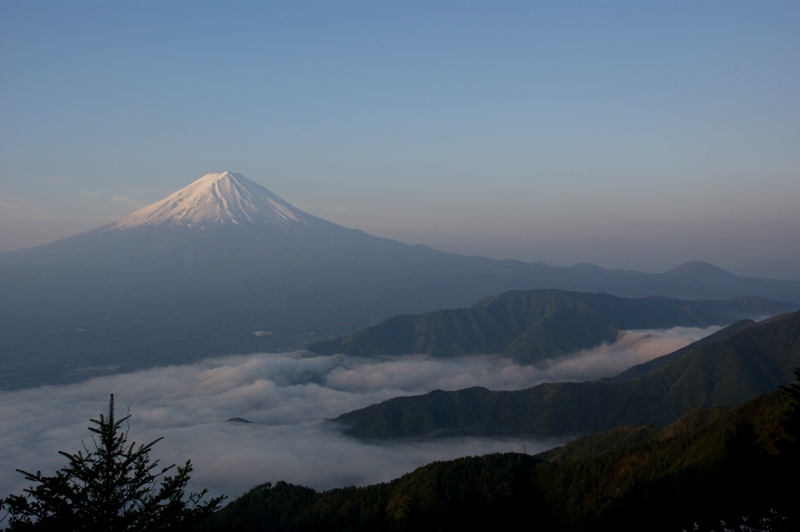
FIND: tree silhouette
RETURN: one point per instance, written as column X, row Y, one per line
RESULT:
column 114, row 486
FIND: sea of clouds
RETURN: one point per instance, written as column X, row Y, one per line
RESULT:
column 287, row 397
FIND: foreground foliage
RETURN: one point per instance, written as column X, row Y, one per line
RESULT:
column 497, row 491
column 113, row 486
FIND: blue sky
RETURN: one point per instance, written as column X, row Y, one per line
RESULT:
column 631, row 134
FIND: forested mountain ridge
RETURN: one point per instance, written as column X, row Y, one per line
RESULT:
column 532, row 326
column 710, row 465
column 744, row 362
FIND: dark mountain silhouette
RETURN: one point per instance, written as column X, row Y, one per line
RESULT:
column 532, row 326
column 746, row 360
column 700, row 270
column 225, row 266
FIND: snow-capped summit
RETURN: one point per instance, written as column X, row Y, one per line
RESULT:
column 218, row 199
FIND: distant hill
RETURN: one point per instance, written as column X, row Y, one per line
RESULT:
column 744, row 361
column 532, row 326
column 699, row 270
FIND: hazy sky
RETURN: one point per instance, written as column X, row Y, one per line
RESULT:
column 287, row 397
column 632, row 134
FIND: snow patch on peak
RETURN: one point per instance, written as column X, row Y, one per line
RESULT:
column 224, row 198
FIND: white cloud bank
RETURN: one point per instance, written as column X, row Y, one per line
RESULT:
column 287, row 397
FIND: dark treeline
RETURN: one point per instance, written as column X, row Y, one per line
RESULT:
column 712, row 465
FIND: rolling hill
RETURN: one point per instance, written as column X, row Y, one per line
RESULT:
column 538, row 325
column 746, row 360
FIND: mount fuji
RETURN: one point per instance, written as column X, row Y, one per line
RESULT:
column 224, row 266
column 218, row 199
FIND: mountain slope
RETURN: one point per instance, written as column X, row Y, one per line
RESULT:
column 742, row 364
column 224, row 198
column 223, row 266
column 691, row 473
column 537, row 325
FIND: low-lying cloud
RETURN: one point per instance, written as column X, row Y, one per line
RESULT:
column 287, row 397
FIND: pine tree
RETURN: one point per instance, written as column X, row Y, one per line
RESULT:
column 114, row 486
